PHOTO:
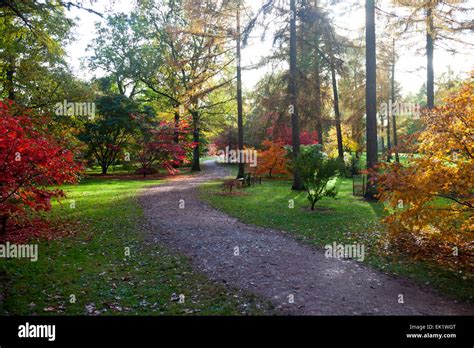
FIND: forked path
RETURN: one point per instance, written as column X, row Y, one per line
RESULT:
column 273, row 265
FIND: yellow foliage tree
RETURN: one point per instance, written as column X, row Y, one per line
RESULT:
column 431, row 199
column 348, row 144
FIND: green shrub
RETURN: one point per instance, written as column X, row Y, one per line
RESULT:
column 317, row 170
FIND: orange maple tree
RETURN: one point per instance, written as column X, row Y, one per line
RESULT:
column 430, row 200
column 272, row 160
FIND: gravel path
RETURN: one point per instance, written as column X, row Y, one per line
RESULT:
column 273, row 265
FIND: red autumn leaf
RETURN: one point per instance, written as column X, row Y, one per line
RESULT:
column 31, row 160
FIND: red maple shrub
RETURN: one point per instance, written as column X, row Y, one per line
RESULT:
column 228, row 138
column 31, row 161
column 165, row 146
column 279, row 132
column 283, row 135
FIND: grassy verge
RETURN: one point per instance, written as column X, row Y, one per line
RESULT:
column 92, row 265
column 346, row 220
column 129, row 171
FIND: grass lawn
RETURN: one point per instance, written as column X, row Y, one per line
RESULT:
column 346, row 220
column 120, row 170
column 207, row 158
column 403, row 157
column 93, row 267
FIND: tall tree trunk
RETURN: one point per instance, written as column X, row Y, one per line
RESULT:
column 392, row 91
column 10, row 63
column 317, row 79
column 240, row 122
column 395, row 140
column 295, row 129
column 389, row 145
column 176, row 127
column 9, row 84
column 370, row 93
column 340, row 149
column 429, row 57
column 196, row 165
column 382, row 130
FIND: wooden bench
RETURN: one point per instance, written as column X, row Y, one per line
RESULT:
column 250, row 178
